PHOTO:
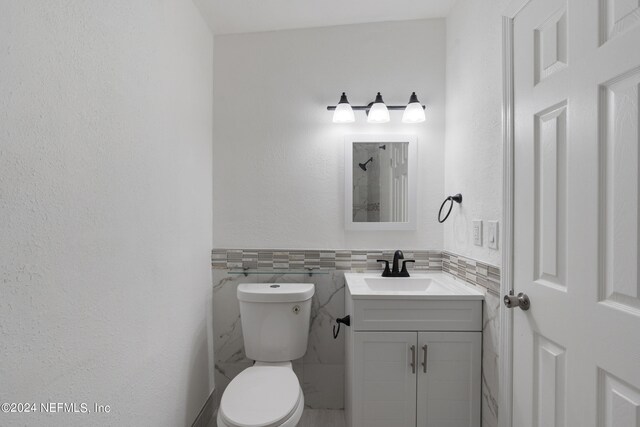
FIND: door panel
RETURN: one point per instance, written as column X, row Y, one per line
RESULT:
column 550, row 48
column 384, row 382
column 550, row 191
column 449, row 391
column 619, row 401
column 576, row 213
column 619, row 191
column 616, row 17
column 549, row 396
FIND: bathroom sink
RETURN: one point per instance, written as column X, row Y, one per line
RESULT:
column 406, row 284
column 434, row 285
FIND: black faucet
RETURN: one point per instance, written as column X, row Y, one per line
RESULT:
column 395, row 271
column 397, row 256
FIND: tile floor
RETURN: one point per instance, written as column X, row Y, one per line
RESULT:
column 322, row 418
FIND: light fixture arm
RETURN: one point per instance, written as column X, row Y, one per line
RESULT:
column 368, row 107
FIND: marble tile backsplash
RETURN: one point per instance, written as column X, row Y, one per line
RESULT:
column 321, row 370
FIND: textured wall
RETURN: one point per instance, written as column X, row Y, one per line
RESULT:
column 473, row 150
column 105, row 210
column 473, row 155
column 279, row 159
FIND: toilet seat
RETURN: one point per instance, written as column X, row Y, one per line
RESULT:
column 264, row 395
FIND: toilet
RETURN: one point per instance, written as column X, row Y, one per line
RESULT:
column 275, row 328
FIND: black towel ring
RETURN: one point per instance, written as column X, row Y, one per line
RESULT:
column 457, row 198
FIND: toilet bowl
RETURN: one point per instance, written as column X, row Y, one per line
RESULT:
column 275, row 329
column 264, row 395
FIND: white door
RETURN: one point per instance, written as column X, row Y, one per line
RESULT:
column 399, row 182
column 449, row 375
column 385, row 379
column 386, row 184
column 576, row 352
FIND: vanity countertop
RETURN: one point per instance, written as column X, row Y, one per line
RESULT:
column 427, row 286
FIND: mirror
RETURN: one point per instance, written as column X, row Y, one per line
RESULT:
column 380, row 182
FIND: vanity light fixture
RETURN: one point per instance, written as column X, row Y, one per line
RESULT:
column 343, row 112
column 414, row 113
column 377, row 111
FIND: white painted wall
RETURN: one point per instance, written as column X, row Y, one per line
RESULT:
column 278, row 158
column 105, row 210
column 473, row 149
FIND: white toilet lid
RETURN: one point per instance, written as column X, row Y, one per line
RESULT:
column 260, row 396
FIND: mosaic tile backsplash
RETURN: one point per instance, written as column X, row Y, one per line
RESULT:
column 475, row 272
column 472, row 271
column 345, row 260
column 321, row 370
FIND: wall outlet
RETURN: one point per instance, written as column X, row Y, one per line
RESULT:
column 492, row 234
column 477, row 232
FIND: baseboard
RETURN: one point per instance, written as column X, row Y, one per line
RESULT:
column 206, row 413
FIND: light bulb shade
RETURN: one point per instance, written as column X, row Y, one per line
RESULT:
column 343, row 112
column 414, row 113
column 378, row 112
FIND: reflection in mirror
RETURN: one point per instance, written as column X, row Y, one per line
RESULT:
column 380, row 182
column 380, row 188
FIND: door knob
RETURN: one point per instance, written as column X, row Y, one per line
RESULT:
column 521, row 300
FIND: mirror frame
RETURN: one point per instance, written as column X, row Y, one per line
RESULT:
column 349, row 140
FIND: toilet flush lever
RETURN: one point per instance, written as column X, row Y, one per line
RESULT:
column 346, row 320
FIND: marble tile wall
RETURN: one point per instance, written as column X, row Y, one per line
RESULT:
column 490, row 359
column 321, row 370
column 487, row 278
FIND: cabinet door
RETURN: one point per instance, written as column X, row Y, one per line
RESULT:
column 449, row 379
column 384, row 389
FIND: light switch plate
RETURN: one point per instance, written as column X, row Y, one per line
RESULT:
column 492, row 234
column 477, row 232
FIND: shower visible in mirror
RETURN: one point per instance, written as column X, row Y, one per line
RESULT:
column 363, row 166
column 380, row 184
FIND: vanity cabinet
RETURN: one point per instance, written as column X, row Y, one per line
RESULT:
column 384, row 386
column 413, row 377
column 449, row 387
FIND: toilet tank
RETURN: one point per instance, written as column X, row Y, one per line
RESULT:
column 275, row 320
